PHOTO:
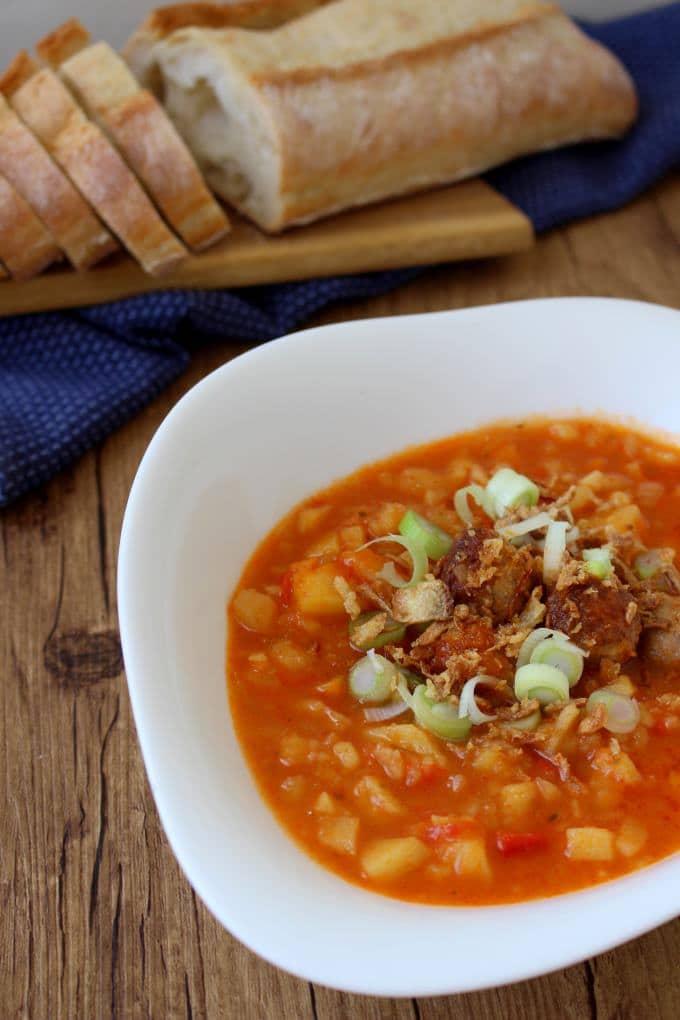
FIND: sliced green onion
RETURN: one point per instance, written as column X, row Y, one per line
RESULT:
column 649, row 563
column 439, row 717
column 391, row 631
column 555, row 546
column 528, row 723
column 543, row 682
column 508, row 489
column 418, row 560
column 623, row 714
column 598, row 562
column 373, row 679
column 468, row 707
column 460, row 502
column 563, row 655
column 390, row 710
column 519, row 528
column 434, row 540
column 535, row 638
column 413, row 680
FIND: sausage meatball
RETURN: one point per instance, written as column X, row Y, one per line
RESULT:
column 600, row 617
column 488, row 573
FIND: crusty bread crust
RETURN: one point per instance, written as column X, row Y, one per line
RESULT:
column 63, row 42
column 412, row 106
column 159, row 24
column 26, row 248
column 17, row 74
column 148, row 141
column 97, row 170
column 33, row 173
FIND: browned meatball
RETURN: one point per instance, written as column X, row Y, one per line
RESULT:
column 661, row 637
column 601, row 618
column 487, row 573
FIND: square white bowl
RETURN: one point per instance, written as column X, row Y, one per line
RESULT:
column 237, row 452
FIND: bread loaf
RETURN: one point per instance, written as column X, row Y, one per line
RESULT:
column 26, row 247
column 365, row 99
column 97, row 170
column 141, row 131
column 138, row 50
column 29, row 168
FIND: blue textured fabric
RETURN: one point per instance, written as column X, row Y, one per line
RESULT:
column 67, row 379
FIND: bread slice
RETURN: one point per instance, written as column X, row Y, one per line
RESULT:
column 97, row 170
column 165, row 20
column 141, row 130
column 26, row 247
column 366, row 99
column 34, row 174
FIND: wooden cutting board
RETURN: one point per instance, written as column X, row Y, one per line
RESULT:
column 463, row 221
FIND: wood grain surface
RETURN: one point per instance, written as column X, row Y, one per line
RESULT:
column 463, row 221
column 96, row 919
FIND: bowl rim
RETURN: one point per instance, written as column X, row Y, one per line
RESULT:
column 653, row 905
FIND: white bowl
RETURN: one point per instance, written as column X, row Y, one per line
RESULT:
column 240, row 449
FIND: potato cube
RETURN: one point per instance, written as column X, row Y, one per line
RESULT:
column 340, row 834
column 352, row 536
column 293, row 787
column 314, row 590
column 296, row 750
column 470, row 858
column 392, row 761
column 620, row 766
column 308, row 518
column 625, row 519
column 255, row 611
column 325, row 805
column 589, row 843
column 291, row 656
column 347, row 754
column 385, row 519
column 408, row 737
column 622, row 685
column 549, row 791
column 387, row 859
column 375, row 799
column 326, row 545
column 517, row 799
column 631, row 838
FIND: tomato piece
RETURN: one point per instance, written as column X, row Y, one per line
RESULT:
column 510, row 843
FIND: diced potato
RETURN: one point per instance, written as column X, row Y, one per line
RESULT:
column 563, row 728
column 631, row 838
column 625, row 518
column 347, row 754
column 490, row 759
column 583, row 498
column 352, row 536
column 549, row 791
column 291, row 656
column 409, row 737
column 313, row 706
column 326, row 805
column 415, row 480
column 375, row 799
column 387, row 859
column 392, row 761
column 517, row 799
column 620, row 766
column 326, row 545
column 255, row 611
column 564, row 430
column 340, row 834
column 296, row 750
column 466, row 856
column 293, row 787
column 590, row 843
column 310, row 517
column 314, row 590
column 385, row 519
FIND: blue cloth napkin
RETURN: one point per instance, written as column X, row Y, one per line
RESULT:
column 67, row 379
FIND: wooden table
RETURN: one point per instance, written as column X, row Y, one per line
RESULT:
column 97, row 920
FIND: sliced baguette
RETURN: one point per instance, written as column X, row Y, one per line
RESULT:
column 26, row 247
column 366, row 99
column 166, row 20
column 140, row 128
column 35, row 175
column 97, row 170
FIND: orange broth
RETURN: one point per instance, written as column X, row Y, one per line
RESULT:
column 304, row 735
